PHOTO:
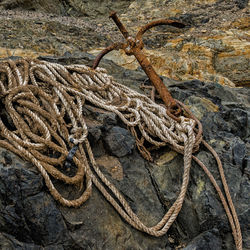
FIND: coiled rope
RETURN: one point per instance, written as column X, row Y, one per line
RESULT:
column 43, row 103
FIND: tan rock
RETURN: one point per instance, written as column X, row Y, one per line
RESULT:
column 112, row 165
column 220, row 58
column 200, row 106
column 5, row 52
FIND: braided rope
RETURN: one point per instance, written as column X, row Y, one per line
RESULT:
column 44, row 102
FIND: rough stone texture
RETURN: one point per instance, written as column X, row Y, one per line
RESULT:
column 55, row 6
column 214, row 47
column 27, row 213
column 207, row 240
column 31, row 219
column 119, row 141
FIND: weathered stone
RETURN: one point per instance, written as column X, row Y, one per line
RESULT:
column 242, row 3
column 165, row 158
column 239, row 152
column 208, row 240
column 9, row 242
column 16, row 181
column 26, row 212
column 44, row 220
column 246, row 168
column 200, row 106
column 112, row 165
column 215, row 49
column 56, row 7
column 244, row 221
column 119, row 141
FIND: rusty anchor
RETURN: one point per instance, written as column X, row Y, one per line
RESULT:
column 134, row 46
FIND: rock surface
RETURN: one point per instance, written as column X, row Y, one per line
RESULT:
column 31, row 219
column 214, row 46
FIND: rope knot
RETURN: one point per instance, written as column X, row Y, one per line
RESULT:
column 78, row 135
column 187, row 122
column 185, row 125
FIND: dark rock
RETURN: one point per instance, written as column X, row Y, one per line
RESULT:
column 119, row 141
column 239, row 152
column 238, row 118
column 215, row 92
column 26, row 212
column 228, row 121
column 15, row 181
column 237, row 63
column 206, row 241
column 6, row 158
column 94, row 134
column 246, row 168
column 241, row 3
column 68, row 58
column 106, row 119
column 188, row 220
column 9, row 242
column 98, row 226
column 44, row 220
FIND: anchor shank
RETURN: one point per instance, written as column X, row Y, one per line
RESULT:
column 154, row 78
column 121, row 27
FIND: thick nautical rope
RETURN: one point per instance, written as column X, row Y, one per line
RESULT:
column 44, row 104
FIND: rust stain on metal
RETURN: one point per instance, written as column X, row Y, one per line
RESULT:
column 119, row 24
column 115, row 46
column 134, row 47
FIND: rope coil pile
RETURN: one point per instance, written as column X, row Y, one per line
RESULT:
column 44, row 104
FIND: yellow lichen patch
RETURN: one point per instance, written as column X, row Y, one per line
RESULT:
column 199, row 106
column 210, row 106
column 174, row 11
column 238, row 45
column 221, row 143
column 197, row 49
column 165, row 158
column 206, row 1
column 174, row 42
column 241, row 23
column 4, row 52
column 243, row 52
column 200, row 187
column 190, row 63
